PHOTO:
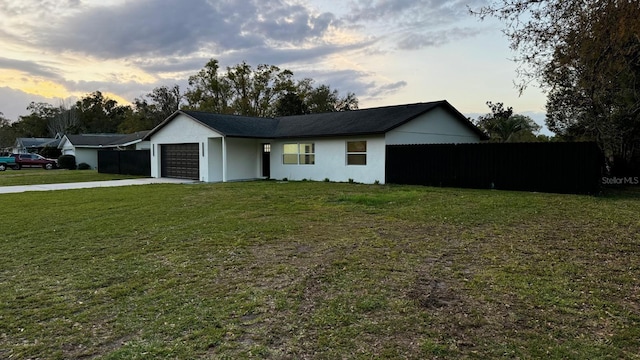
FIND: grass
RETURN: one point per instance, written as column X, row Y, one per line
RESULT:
column 33, row 176
column 318, row 270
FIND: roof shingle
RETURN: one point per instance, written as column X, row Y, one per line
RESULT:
column 236, row 126
column 356, row 122
column 105, row 140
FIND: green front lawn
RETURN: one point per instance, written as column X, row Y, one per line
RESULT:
column 35, row 176
column 318, row 270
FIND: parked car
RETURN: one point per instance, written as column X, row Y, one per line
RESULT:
column 34, row 160
column 7, row 161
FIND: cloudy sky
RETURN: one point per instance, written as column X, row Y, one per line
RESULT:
column 387, row 52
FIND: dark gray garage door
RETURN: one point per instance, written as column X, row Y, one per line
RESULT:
column 180, row 161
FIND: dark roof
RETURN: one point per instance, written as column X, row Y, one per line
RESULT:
column 234, row 125
column 355, row 122
column 344, row 123
column 37, row 142
column 106, row 140
column 129, row 138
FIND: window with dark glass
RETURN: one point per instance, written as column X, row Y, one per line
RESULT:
column 356, row 153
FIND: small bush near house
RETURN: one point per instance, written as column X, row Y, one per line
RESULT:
column 84, row 166
column 67, row 162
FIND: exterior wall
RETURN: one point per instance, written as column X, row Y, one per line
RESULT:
column 83, row 155
column 183, row 130
column 143, row 145
column 437, row 126
column 87, row 155
column 243, row 159
column 214, row 159
column 67, row 148
column 331, row 161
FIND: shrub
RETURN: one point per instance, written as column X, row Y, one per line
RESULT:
column 84, row 166
column 67, row 162
column 377, row 182
column 351, row 181
column 326, row 179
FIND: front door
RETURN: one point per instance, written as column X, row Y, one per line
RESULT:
column 266, row 160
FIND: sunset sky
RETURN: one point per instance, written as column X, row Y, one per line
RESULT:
column 387, row 52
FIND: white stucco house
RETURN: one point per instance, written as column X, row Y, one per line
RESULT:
column 337, row 146
column 85, row 147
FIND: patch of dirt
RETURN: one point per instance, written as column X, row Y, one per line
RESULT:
column 79, row 352
column 432, row 293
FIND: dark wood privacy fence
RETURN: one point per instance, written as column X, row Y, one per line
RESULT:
column 545, row 167
column 126, row 162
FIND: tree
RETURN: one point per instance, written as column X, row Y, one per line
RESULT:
column 36, row 124
column 291, row 104
column 98, row 114
column 255, row 92
column 208, row 90
column 347, row 103
column 264, row 92
column 535, row 29
column 596, row 77
column 64, row 121
column 7, row 133
column 324, row 99
column 586, row 55
column 44, row 120
column 503, row 126
column 166, row 100
column 146, row 114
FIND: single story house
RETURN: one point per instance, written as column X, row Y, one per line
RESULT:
column 85, row 146
column 34, row 145
column 337, row 146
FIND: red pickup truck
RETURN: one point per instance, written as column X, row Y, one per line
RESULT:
column 34, row 160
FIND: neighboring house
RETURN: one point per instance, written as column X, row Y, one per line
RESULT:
column 34, row 145
column 337, row 146
column 85, row 146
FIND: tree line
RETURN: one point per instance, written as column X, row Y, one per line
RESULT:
column 502, row 125
column 264, row 91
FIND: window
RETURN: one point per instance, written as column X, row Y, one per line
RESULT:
column 356, row 153
column 299, row 154
column 290, row 154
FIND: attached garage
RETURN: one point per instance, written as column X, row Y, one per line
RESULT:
column 180, row 161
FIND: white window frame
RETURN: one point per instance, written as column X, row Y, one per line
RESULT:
column 302, row 157
column 353, row 154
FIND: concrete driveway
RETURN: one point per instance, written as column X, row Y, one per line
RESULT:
column 91, row 184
